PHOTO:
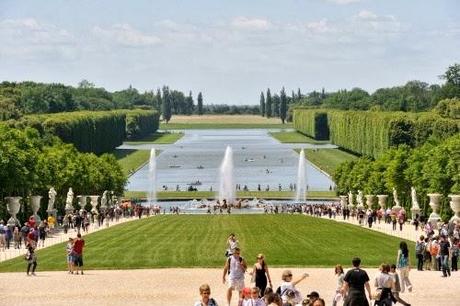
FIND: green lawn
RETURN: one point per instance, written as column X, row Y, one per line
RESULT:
column 295, row 137
column 158, row 138
column 199, row 241
column 328, row 159
column 164, row 195
column 130, row 160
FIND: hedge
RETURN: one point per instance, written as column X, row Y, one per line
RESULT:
column 140, row 123
column 96, row 132
column 312, row 123
column 371, row 133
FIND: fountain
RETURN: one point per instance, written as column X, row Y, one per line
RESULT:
column 35, row 205
column 434, row 218
column 226, row 184
column 455, row 206
column 301, row 195
column 13, row 206
column 152, row 196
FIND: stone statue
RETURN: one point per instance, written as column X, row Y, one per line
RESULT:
column 104, row 199
column 52, row 198
column 350, row 198
column 69, row 199
column 414, row 197
column 359, row 198
column 395, row 197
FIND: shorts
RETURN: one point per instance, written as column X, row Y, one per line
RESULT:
column 236, row 284
column 70, row 259
column 78, row 260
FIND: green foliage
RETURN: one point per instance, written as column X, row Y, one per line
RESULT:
column 283, row 105
column 140, row 123
column 96, row 132
column 433, row 167
column 311, row 122
column 30, row 164
column 200, row 103
column 262, row 104
column 268, row 104
column 449, row 108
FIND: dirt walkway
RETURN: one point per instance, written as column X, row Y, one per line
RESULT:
column 180, row 287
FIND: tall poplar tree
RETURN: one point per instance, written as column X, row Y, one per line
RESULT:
column 200, row 103
column 283, row 105
column 262, row 104
column 167, row 112
column 268, row 104
column 159, row 103
column 189, row 104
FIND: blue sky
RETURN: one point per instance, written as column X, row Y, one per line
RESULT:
column 229, row 50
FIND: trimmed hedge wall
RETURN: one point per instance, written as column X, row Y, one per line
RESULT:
column 371, row 133
column 96, row 132
column 312, row 123
column 140, row 123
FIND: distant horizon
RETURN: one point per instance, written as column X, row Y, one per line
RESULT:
column 229, row 50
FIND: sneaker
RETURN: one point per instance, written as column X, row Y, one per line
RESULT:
column 33, row 273
column 409, row 288
column 81, row 272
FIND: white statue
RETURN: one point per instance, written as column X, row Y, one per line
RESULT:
column 414, row 197
column 69, row 199
column 52, row 198
column 104, row 199
column 359, row 198
column 350, row 198
column 395, row 197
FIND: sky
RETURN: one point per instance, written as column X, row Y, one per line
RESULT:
column 230, row 50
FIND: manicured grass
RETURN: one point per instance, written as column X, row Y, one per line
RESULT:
column 328, row 159
column 131, row 160
column 295, row 137
column 199, row 241
column 223, row 122
column 158, row 138
column 186, row 195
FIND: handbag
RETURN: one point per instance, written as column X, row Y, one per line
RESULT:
column 377, row 294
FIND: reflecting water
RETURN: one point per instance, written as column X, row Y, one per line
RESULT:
column 257, row 157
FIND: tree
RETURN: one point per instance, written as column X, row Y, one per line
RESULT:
column 262, row 104
column 200, row 103
column 189, row 104
column 268, row 104
column 283, row 105
column 167, row 112
column 452, row 75
column 159, row 103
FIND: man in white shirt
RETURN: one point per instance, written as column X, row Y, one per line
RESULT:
column 235, row 267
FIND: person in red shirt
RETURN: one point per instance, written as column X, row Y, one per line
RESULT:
column 78, row 246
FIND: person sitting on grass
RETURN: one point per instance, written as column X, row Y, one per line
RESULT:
column 206, row 299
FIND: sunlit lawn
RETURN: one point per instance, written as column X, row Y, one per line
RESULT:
column 200, row 241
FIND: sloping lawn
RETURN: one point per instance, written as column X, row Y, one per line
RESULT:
column 199, row 241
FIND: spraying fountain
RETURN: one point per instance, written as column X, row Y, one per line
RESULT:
column 301, row 179
column 152, row 196
column 226, row 184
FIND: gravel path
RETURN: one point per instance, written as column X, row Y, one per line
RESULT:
column 180, row 287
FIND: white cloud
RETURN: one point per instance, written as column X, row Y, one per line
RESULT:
column 321, row 26
column 246, row 23
column 125, row 35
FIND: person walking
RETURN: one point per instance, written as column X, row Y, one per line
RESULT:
column 31, row 258
column 397, row 286
column 385, row 283
column 419, row 252
column 354, row 282
column 235, row 267
column 444, row 250
column 455, row 252
column 403, row 264
column 206, row 299
column 260, row 274
column 340, row 276
column 77, row 250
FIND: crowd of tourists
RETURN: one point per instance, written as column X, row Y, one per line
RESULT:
column 352, row 286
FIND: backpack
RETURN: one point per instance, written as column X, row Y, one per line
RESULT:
column 419, row 247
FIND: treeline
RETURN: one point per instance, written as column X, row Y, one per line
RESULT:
column 31, row 164
column 372, row 133
column 414, row 96
column 432, row 167
column 276, row 105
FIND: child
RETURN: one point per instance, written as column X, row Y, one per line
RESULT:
column 206, row 300
column 246, row 297
column 289, row 285
column 69, row 249
column 31, row 259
